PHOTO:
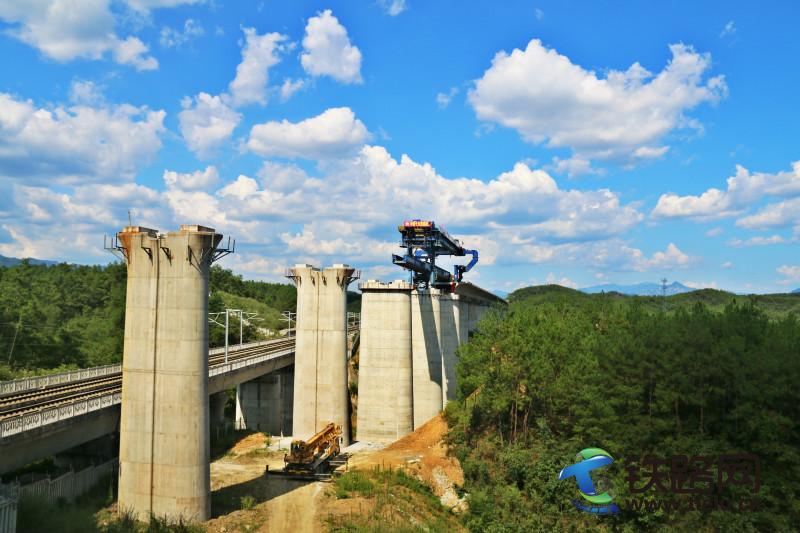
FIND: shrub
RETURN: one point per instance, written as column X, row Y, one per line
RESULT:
column 247, row 502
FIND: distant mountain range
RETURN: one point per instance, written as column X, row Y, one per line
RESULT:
column 11, row 261
column 796, row 291
column 639, row 289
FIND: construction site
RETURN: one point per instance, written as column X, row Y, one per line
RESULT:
column 282, row 427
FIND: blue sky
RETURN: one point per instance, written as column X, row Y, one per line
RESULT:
column 576, row 143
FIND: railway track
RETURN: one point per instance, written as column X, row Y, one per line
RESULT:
column 24, row 402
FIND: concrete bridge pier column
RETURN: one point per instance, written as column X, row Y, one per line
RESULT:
column 385, row 392
column 265, row 403
column 307, row 279
column 216, row 409
column 164, row 439
column 320, row 388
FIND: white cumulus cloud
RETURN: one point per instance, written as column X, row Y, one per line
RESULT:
column 64, row 30
column 333, row 133
column 260, row 52
column 76, row 144
column 622, row 115
column 327, row 50
column 775, row 215
column 791, row 274
column 206, row 122
column 743, row 189
column 198, row 179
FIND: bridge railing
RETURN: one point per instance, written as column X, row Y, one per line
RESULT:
column 38, row 382
column 234, row 347
column 50, row 415
column 29, row 421
column 250, row 361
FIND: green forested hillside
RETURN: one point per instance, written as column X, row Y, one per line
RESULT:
column 67, row 316
column 559, row 371
column 774, row 305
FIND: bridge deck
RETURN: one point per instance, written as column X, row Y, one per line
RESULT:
column 59, row 399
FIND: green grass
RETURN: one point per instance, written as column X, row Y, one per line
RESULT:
column 353, row 482
column 247, row 502
column 126, row 523
column 400, row 503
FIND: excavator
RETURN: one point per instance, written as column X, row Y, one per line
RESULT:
column 314, row 458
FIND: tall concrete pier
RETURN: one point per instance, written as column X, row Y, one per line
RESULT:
column 432, row 324
column 164, row 440
column 265, row 403
column 320, row 371
column 385, row 394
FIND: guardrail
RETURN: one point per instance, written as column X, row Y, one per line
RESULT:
column 38, row 382
column 216, row 370
column 235, row 347
column 26, row 422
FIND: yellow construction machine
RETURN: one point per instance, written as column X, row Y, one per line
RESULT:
column 312, row 458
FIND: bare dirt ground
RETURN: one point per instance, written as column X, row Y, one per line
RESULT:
column 424, row 455
column 244, row 499
column 280, row 505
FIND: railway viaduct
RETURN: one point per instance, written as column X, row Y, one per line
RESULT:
column 170, row 388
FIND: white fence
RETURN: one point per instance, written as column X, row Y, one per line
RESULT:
column 38, row 382
column 68, row 486
column 8, row 509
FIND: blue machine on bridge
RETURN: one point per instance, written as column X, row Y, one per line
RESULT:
column 424, row 242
